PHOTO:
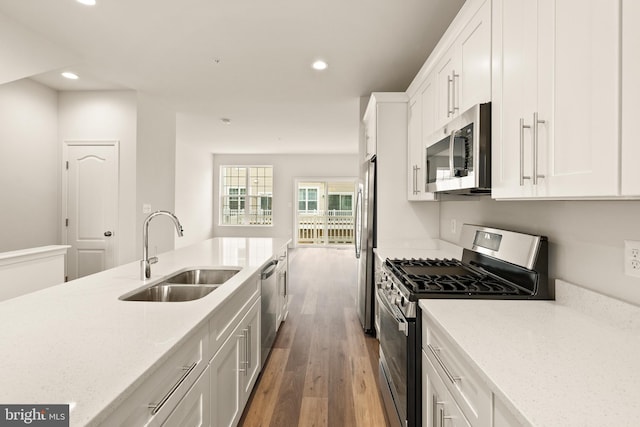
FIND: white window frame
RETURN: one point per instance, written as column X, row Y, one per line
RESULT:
column 246, row 217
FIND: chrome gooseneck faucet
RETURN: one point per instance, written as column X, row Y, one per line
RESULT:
column 145, row 264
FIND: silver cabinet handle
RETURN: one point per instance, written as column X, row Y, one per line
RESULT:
column 243, row 356
column 248, row 344
column 522, row 175
column 536, row 122
column 454, row 105
column 436, row 353
column 155, row 407
column 357, row 231
column 449, row 83
column 438, row 407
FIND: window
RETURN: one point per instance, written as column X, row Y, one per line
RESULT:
column 340, row 202
column 246, row 195
column 307, row 199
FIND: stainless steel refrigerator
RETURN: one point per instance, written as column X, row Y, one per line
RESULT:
column 365, row 241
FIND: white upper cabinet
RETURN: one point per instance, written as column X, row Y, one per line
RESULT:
column 421, row 123
column 555, row 107
column 455, row 77
column 463, row 73
column 630, row 97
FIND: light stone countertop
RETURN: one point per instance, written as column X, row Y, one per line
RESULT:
column 569, row 362
column 77, row 343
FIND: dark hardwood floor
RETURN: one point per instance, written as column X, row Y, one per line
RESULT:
column 323, row 369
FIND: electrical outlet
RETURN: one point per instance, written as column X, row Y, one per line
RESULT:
column 632, row 258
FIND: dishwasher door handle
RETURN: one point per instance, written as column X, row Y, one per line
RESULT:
column 269, row 269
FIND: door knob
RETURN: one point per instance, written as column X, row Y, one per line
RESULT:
column 108, row 234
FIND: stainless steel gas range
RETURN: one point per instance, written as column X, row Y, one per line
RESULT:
column 495, row 264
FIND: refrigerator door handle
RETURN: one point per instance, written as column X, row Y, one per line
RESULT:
column 357, row 225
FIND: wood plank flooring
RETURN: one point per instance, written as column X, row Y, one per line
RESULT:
column 322, row 371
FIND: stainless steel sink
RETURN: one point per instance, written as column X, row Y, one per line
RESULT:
column 166, row 292
column 202, row 277
column 187, row 285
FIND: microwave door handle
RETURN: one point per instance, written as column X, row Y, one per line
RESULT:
column 452, row 139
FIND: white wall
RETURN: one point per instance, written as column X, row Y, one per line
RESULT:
column 194, row 192
column 586, row 238
column 286, row 168
column 400, row 222
column 156, row 172
column 29, row 163
column 107, row 115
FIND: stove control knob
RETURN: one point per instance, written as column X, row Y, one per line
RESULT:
column 399, row 301
column 388, row 286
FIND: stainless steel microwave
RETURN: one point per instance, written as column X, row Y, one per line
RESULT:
column 458, row 156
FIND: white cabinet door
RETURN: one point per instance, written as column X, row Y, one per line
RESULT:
column 447, row 79
column 463, row 74
column 194, row 408
column 515, row 89
column 439, row 409
column 226, row 408
column 250, row 361
column 422, row 110
column 630, row 97
column 582, row 117
column 283, row 296
column 556, row 98
column 474, row 46
column 414, row 148
column 235, row 369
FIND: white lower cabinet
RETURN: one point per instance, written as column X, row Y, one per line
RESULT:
column 194, row 409
column 283, row 295
column 464, row 384
column 160, row 395
column 439, row 409
column 234, row 370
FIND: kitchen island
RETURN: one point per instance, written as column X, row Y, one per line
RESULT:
column 79, row 344
column 568, row 362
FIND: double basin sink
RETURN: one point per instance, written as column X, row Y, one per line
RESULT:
column 186, row 285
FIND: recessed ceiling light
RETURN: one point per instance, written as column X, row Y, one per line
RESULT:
column 87, row 2
column 319, row 65
column 70, row 75
column 225, row 121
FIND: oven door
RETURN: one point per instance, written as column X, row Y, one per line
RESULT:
column 394, row 330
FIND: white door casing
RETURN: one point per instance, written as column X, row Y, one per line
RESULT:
column 90, row 205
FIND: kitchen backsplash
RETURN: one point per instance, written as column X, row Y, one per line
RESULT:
column 586, row 238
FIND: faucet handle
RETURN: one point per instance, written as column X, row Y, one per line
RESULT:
column 153, row 260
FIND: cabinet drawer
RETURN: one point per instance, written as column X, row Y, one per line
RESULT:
column 439, row 408
column 228, row 314
column 471, row 394
column 153, row 401
column 194, row 409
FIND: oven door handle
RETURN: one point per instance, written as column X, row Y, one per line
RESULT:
column 394, row 312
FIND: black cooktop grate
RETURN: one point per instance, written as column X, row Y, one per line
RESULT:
column 448, row 276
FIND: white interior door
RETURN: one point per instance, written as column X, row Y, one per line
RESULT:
column 90, row 193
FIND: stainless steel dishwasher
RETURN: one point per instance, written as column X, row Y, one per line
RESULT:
column 269, row 304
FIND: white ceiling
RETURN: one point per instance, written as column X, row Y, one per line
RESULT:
column 246, row 60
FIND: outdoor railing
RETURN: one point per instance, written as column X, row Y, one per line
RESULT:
column 325, row 227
